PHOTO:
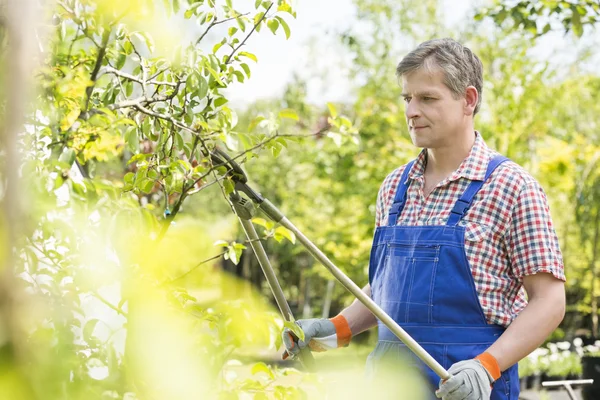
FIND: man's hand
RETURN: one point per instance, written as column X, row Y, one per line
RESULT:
column 320, row 335
column 471, row 379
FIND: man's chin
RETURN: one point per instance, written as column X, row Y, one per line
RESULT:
column 420, row 142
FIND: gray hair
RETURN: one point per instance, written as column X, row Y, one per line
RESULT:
column 462, row 68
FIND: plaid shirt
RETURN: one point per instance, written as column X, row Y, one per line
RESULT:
column 508, row 229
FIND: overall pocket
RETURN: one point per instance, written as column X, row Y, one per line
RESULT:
column 407, row 282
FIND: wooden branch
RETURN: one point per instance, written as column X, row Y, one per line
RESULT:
column 216, row 23
column 247, row 36
column 114, row 71
column 192, row 269
column 106, row 302
column 99, row 58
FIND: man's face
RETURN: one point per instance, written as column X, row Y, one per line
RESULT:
column 435, row 118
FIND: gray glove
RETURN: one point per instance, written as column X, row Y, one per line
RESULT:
column 470, row 381
column 319, row 334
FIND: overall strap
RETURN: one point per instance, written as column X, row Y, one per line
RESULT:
column 463, row 204
column 400, row 198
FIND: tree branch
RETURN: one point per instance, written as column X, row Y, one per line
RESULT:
column 216, row 23
column 114, row 71
column 99, row 58
column 103, row 300
column 247, row 36
column 192, row 269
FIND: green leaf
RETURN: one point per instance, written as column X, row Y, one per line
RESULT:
column 332, row 110
column 257, row 3
column 217, row 46
column 240, row 77
column 147, row 186
column 285, row 7
column 188, row 13
column 285, row 26
column 228, row 185
column 78, row 188
column 246, row 69
column 263, row 222
column 215, row 75
column 127, row 47
column 179, row 141
column 296, row 330
column 232, row 30
column 128, row 88
column 241, row 23
column 253, row 124
column 131, row 139
column 220, row 101
column 176, row 6
column 546, row 28
column 88, row 329
column 129, row 177
column 233, row 255
column 221, row 243
column 286, row 233
column 58, row 182
column 262, row 367
column 576, row 21
column 258, row 20
column 121, row 60
column 276, row 149
column 202, row 88
column 146, row 38
column 249, row 55
column 67, row 156
column 273, row 24
column 289, row 114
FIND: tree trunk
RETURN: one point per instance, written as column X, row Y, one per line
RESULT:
column 328, row 297
column 17, row 17
column 307, row 309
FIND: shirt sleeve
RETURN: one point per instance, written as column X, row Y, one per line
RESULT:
column 532, row 243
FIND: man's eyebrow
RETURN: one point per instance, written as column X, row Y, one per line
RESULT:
column 422, row 94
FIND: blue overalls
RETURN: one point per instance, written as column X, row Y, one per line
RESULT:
column 420, row 277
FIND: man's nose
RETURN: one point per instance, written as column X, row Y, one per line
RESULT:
column 412, row 110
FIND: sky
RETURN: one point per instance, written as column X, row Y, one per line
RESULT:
column 279, row 59
column 315, row 53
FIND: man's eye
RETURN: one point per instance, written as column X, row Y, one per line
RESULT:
column 427, row 98
column 407, row 99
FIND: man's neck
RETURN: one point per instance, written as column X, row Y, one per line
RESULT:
column 443, row 161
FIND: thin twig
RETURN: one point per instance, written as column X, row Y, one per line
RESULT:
column 216, row 23
column 230, row 58
column 192, row 269
column 102, row 299
column 114, row 71
column 158, row 73
column 191, row 192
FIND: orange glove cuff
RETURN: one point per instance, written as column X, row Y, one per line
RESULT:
column 342, row 330
column 490, row 363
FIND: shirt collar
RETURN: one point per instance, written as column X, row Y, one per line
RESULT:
column 473, row 167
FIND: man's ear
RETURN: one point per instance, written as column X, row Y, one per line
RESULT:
column 471, row 99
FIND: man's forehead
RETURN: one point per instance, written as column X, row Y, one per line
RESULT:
column 423, row 81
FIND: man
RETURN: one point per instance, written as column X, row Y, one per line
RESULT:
column 465, row 257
